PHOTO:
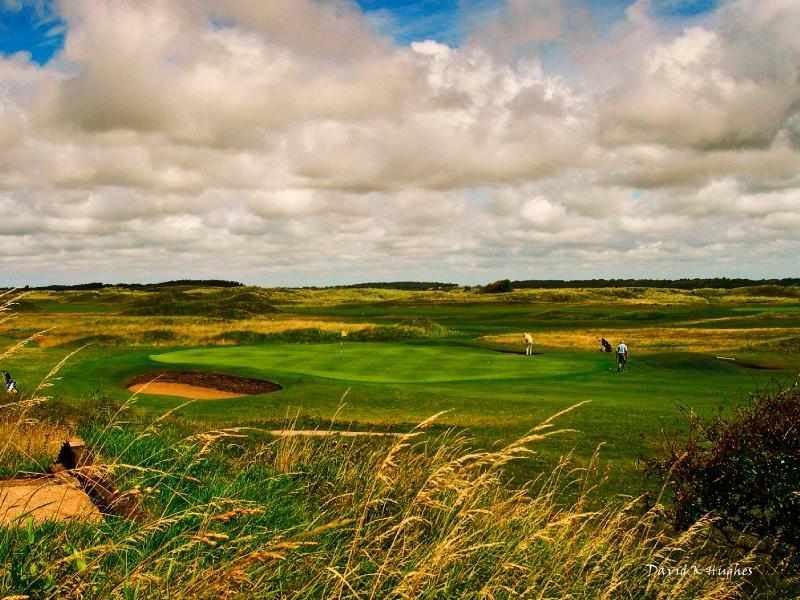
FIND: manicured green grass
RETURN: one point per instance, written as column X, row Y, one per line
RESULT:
column 385, row 362
column 498, row 396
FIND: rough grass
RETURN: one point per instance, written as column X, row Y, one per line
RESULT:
column 265, row 299
column 224, row 304
column 117, row 330
column 657, row 339
column 416, row 518
column 610, row 307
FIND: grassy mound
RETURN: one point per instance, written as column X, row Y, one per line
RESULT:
column 221, row 304
column 99, row 339
column 315, row 335
column 770, row 291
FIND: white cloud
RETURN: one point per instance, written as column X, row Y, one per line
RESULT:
column 288, row 141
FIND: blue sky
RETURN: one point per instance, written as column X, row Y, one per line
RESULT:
column 31, row 27
column 446, row 20
column 34, row 27
column 411, row 20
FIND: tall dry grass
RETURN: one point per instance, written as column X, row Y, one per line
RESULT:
column 166, row 331
column 657, row 339
column 417, row 517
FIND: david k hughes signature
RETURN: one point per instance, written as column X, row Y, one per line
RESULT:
column 728, row 571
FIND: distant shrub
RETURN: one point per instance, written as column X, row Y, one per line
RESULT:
column 246, row 338
column 294, row 336
column 429, row 327
column 158, row 335
column 392, row 333
column 771, row 291
column 502, row 286
column 791, row 344
column 744, row 469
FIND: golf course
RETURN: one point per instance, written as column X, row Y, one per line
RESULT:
column 228, row 441
column 386, row 360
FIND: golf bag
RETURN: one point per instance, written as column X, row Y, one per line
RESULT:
column 10, row 384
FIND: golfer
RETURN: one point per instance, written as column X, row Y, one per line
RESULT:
column 622, row 356
column 528, row 344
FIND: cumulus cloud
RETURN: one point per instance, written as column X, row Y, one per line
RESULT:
column 734, row 86
column 290, row 141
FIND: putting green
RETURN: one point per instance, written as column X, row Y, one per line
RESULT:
column 383, row 362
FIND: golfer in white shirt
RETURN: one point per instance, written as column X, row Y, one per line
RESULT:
column 528, row 344
column 622, row 356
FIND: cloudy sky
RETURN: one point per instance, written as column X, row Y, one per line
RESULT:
column 288, row 142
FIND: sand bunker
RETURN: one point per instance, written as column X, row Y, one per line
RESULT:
column 44, row 499
column 199, row 385
column 183, row 390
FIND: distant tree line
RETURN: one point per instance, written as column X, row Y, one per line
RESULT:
column 220, row 283
column 684, row 284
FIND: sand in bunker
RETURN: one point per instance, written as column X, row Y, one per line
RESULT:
column 183, row 390
column 199, row 385
column 44, row 499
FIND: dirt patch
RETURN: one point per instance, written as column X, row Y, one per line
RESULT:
column 44, row 499
column 321, row 433
column 199, row 385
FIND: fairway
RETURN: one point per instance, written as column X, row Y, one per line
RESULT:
column 384, row 363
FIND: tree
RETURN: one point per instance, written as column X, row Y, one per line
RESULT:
column 502, row 286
